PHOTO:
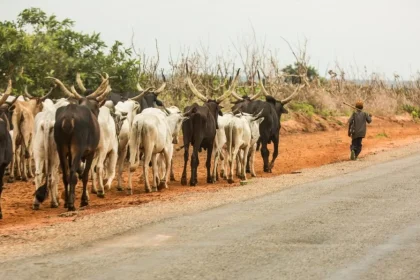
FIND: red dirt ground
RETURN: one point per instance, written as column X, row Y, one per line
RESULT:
column 297, row 150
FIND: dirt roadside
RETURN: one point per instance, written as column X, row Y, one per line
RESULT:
column 25, row 232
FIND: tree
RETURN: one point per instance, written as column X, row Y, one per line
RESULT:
column 293, row 73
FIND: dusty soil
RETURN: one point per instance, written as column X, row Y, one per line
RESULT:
column 302, row 145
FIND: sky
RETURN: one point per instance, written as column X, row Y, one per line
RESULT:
column 379, row 35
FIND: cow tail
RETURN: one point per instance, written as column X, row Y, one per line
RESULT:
column 67, row 125
column 135, row 141
column 46, row 152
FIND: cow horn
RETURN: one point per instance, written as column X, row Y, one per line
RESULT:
column 79, row 83
column 185, row 114
column 193, row 88
column 139, row 88
column 160, row 89
column 100, row 90
column 101, row 97
column 255, row 96
column 7, row 93
column 288, row 99
column 231, row 88
column 258, row 115
column 141, row 94
column 63, row 88
column 166, row 110
column 48, row 94
column 75, row 93
column 25, row 91
column 13, row 102
column 263, row 90
column 234, row 94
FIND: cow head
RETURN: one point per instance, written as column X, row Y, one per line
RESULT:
column 94, row 100
column 175, row 118
column 149, row 98
column 36, row 103
column 213, row 104
column 5, row 107
column 278, row 104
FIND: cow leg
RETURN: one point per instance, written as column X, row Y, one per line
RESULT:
column 172, row 172
column 155, row 173
column 223, row 162
column 184, row 171
column 110, row 168
column 85, row 177
column 64, row 169
column 2, row 169
column 194, row 166
column 232, row 159
column 214, row 176
column 54, row 184
column 39, row 166
column 168, row 161
column 120, row 165
column 99, row 168
column 248, row 157
column 31, row 172
column 18, row 163
column 147, row 159
column 251, row 159
column 243, row 163
column 238, row 164
column 208, row 164
column 275, row 152
column 265, row 153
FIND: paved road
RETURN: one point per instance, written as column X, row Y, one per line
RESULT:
column 364, row 225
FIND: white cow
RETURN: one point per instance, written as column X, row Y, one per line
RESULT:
column 107, row 150
column 45, row 153
column 219, row 144
column 153, row 133
column 124, row 115
column 239, row 137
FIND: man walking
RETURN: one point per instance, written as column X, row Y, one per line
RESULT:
column 357, row 129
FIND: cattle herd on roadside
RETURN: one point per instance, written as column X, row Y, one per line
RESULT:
column 92, row 133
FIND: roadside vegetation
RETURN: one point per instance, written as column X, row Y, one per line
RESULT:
column 37, row 45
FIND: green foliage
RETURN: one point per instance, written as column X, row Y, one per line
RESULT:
column 414, row 111
column 37, row 45
column 293, row 73
column 303, row 107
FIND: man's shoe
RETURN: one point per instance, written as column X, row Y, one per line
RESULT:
column 353, row 155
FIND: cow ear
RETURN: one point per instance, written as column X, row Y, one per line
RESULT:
column 284, row 110
column 158, row 102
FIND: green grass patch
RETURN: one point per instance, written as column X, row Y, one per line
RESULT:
column 303, row 107
column 413, row 110
column 382, row 135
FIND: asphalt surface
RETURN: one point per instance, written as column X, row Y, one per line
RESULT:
column 362, row 225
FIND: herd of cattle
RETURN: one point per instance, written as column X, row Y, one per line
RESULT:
column 94, row 132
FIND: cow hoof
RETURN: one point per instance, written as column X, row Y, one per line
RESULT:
column 84, row 203
column 129, row 192
column 54, row 205
column 71, row 208
column 11, row 180
column 18, row 178
column 146, row 190
column 94, row 191
column 248, row 171
column 253, row 175
column 172, row 179
column 154, row 189
column 184, row 181
column 230, row 181
column 162, row 186
column 24, row 179
column 211, row 180
column 120, row 189
column 100, row 194
column 35, row 207
column 1, row 216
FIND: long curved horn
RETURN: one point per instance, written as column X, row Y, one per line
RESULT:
column 258, row 115
column 13, row 102
column 48, row 94
column 234, row 94
column 263, row 90
column 63, row 88
column 75, row 93
column 105, row 94
column 79, row 83
column 193, row 88
column 288, row 99
column 25, row 91
column 7, row 93
column 136, row 98
column 100, row 90
column 231, row 88
column 139, row 88
column 160, row 89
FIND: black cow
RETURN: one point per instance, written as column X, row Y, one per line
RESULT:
column 200, row 130
column 6, row 150
column 272, row 110
column 76, row 133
